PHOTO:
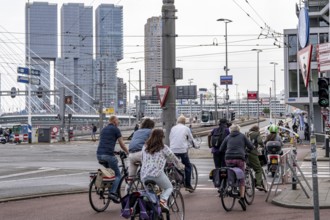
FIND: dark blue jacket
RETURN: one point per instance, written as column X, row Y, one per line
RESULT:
column 234, row 146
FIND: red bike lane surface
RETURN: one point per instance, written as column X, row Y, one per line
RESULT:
column 203, row 204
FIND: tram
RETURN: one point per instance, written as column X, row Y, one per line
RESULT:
column 208, row 116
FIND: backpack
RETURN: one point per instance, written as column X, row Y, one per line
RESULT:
column 218, row 136
column 254, row 140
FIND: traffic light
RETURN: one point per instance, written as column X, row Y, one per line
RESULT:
column 233, row 116
column 39, row 92
column 13, row 92
column 323, row 91
column 68, row 100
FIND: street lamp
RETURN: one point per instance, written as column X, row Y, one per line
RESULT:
column 274, row 112
column 258, row 51
column 129, row 95
column 226, row 67
column 190, row 81
column 238, row 100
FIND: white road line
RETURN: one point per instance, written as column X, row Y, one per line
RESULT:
column 42, row 169
column 46, row 177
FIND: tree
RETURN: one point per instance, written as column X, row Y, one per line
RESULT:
column 266, row 111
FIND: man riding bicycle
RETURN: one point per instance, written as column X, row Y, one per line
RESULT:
column 105, row 151
column 180, row 137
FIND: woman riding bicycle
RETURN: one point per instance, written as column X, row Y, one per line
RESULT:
column 234, row 147
column 155, row 154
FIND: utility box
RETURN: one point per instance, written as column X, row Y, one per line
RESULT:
column 44, row 135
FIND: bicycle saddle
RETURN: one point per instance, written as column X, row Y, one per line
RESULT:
column 150, row 182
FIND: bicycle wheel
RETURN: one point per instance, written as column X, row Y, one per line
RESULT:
column 249, row 187
column 98, row 196
column 122, row 187
column 227, row 201
column 194, row 176
column 176, row 206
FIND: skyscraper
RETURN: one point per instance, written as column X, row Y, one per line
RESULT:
column 75, row 68
column 153, row 53
column 41, row 44
column 109, row 50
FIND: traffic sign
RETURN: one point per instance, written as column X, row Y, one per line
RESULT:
column 22, row 79
column 162, row 92
column 35, row 81
column 55, row 129
column 304, row 59
column 35, row 72
column 226, row 80
column 23, row 70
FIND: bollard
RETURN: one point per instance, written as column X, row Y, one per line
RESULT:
column 326, row 145
column 294, row 164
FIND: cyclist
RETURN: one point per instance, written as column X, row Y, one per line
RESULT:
column 255, row 137
column 218, row 158
column 135, row 147
column 234, row 147
column 155, row 154
column 105, row 151
column 180, row 137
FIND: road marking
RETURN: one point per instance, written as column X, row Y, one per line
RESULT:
column 44, row 177
column 42, row 169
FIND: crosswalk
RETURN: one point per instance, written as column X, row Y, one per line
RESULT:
column 323, row 169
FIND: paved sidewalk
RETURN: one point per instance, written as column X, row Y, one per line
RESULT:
column 297, row 198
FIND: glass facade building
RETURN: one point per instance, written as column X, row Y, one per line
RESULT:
column 109, row 50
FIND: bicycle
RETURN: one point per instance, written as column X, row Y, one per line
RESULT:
column 151, row 194
column 229, row 192
column 98, row 193
column 177, row 177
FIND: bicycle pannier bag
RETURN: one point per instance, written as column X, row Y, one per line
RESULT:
column 104, row 175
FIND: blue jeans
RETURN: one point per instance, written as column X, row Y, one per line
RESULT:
column 164, row 183
column 187, row 169
column 113, row 164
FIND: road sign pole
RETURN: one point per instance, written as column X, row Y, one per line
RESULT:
column 29, row 75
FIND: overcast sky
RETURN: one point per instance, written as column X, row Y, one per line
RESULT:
column 197, row 30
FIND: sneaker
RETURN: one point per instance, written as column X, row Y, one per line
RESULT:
column 242, row 203
column 163, row 205
column 260, row 188
column 189, row 188
column 114, row 197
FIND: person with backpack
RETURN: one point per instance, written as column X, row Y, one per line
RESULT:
column 253, row 156
column 215, row 139
column 234, row 147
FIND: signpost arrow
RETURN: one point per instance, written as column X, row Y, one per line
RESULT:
column 23, row 70
column 23, row 79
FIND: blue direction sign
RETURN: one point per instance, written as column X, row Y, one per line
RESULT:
column 22, row 79
column 23, row 70
column 226, row 80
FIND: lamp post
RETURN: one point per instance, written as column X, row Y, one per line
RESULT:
column 270, row 101
column 129, row 95
column 274, row 112
column 190, row 120
column 237, row 99
column 258, row 51
column 226, row 67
